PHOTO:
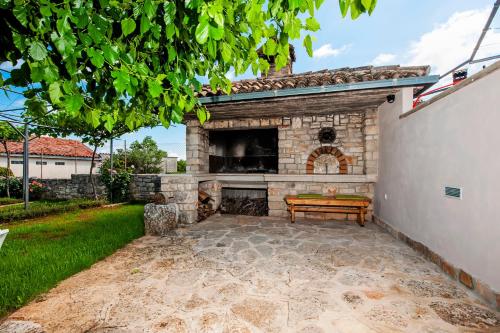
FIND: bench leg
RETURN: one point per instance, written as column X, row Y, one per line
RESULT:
column 362, row 217
column 292, row 213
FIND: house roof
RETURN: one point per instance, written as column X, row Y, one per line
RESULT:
column 50, row 146
column 321, row 78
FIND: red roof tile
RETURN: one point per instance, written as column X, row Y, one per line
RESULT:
column 320, row 78
column 50, row 146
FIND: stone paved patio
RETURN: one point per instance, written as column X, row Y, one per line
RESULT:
column 248, row 274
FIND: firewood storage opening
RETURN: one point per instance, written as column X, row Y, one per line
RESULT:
column 243, row 151
column 244, row 201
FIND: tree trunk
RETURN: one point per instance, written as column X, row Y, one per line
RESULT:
column 7, row 175
column 92, row 181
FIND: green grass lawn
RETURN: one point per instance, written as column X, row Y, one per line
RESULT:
column 39, row 253
column 9, row 201
column 45, row 208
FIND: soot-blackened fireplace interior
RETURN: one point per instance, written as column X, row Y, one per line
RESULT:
column 244, row 151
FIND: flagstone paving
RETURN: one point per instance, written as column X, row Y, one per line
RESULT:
column 259, row 274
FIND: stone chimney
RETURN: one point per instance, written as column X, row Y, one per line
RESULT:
column 284, row 71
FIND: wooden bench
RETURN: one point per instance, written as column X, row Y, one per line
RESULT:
column 329, row 204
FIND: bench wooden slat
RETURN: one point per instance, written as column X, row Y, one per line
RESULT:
column 326, row 209
column 328, row 205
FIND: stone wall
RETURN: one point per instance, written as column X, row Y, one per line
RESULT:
column 278, row 190
column 143, row 187
column 357, row 139
column 182, row 189
column 78, row 186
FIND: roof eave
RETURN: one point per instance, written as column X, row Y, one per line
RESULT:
column 378, row 84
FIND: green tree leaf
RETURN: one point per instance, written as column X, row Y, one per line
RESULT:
column 155, row 88
column 367, row 4
column 308, row 45
column 226, row 52
column 372, row 7
column 202, row 115
column 355, row 10
column 111, row 53
column 109, row 123
column 201, row 33
column 122, row 80
column 149, row 9
column 38, row 51
column 344, row 6
column 312, row 24
column 55, row 92
column 128, row 26
column 73, row 104
column 21, row 14
column 96, row 57
column 145, row 24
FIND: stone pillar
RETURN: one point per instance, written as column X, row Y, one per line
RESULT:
column 182, row 190
column 196, row 148
column 144, row 187
column 370, row 131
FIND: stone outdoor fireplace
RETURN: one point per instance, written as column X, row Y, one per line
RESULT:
column 285, row 134
column 247, row 157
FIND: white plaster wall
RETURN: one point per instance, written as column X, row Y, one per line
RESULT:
column 453, row 141
column 51, row 170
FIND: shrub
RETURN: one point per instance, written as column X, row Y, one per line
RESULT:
column 36, row 190
column 118, row 187
column 6, row 171
column 44, row 208
column 15, row 186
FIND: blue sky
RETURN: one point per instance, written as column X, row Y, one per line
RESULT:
column 407, row 32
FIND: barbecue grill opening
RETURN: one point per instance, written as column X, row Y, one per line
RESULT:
column 244, row 201
column 243, row 151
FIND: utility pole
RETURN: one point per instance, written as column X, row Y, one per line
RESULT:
column 111, row 169
column 41, row 165
column 26, row 183
column 125, row 150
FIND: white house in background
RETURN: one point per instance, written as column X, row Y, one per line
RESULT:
column 169, row 164
column 50, row 158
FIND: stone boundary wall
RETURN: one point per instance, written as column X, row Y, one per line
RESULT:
column 142, row 187
column 78, row 186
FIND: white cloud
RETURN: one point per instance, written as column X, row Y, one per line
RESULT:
column 383, row 59
column 452, row 42
column 327, row 50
